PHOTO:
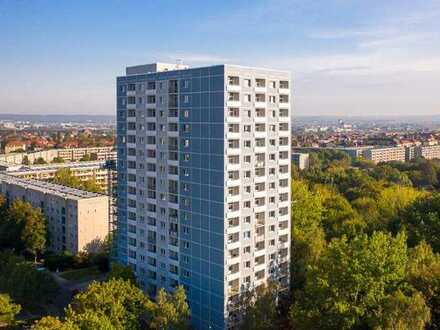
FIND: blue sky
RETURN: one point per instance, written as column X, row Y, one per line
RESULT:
column 346, row 57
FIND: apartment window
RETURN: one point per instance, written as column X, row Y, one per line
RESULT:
column 151, row 85
column 272, row 99
column 233, row 191
column 234, row 222
column 247, row 98
column 232, row 238
column 284, row 98
column 247, row 128
column 186, row 84
column 234, row 206
column 151, row 99
column 234, row 144
column 186, row 128
column 233, row 80
column 151, row 113
column 260, row 82
column 234, row 159
column 273, row 84
column 260, row 112
column 233, row 96
column 233, row 112
column 234, row 128
column 260, row 97
column 260, row 127
column 284, row 84
column 186, row 99
column 247, row 82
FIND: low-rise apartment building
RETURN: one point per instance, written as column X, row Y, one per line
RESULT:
column 385, row 154
column 84, row 171
column 68, row 155
column 427, row 152
column 301, row 160
column 77, row 220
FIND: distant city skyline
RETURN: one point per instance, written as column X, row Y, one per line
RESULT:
column 346, row 58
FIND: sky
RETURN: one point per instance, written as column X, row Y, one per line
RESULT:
column 347, row 57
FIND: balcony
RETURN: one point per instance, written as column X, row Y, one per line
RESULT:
column 284, row 87
column 233, row 84
column 260, row 85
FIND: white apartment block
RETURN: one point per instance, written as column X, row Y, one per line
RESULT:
column 68, row 154
column 96, row 170
column 77, row 220
column 204, row 182
column 385, row 154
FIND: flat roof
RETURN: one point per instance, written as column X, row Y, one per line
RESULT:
column 51, row 167
column 186, row 68
column 49, row 188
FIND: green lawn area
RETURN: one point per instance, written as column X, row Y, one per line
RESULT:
column 81, row 274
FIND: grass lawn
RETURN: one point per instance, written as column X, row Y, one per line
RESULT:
column 81, row 274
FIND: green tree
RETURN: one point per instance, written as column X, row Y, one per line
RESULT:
column 403, row 312
column 424, row 275
column 308, row 239
column 260, row 312
column 354, row 282
column 24, row 283
column 86, row 158
column 171, row 311
column 118, row 301
column 422, row 221
column 8, row 310
column 381, row 212
column 91, row 185
column 40, row 161
column 25, row 160
column 58, row 160
column 65, row 177
column 339, row 218
column 52, row 323
column 28, row 227
column 119, row 271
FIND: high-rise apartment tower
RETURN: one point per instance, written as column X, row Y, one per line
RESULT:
column 204, row 182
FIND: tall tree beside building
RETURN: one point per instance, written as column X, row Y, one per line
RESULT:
column 23, row 228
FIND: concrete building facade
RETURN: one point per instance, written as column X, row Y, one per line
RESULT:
column 84, row 171
column 204, row 182
column 427, row 152
column 301, row 160
column 385, row 154
column 69, row 155
column 77, row 220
